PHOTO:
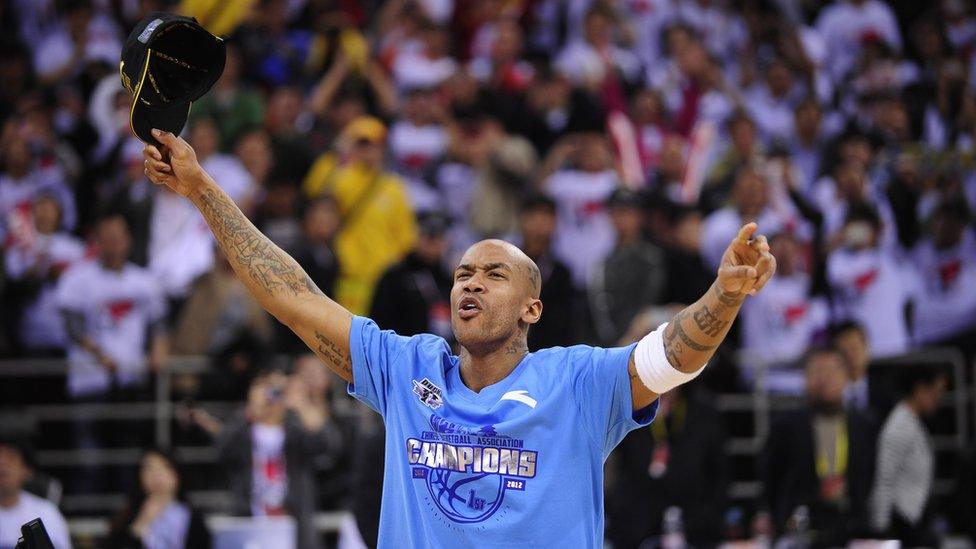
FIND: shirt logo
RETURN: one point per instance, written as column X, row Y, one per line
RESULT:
column 469, row 469
column 429, row 394
column 520, row 396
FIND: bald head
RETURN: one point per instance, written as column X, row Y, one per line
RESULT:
column 495, row 296
column 521, row 265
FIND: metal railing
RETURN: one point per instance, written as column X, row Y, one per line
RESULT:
column 161, row 412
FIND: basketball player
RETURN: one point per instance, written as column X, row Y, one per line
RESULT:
column 497, row 447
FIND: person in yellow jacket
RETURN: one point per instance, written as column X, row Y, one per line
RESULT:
column 378, row 225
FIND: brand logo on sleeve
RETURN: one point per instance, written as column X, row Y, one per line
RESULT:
column 429, row 394
column 468, row 470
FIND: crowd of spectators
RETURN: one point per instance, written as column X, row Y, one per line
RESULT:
column 620, row 143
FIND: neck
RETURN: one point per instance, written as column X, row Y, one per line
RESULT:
column 8, row 500
column 914, row 405
column 162, row 496
column 481, row 369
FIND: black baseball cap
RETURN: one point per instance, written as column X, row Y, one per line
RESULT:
column 168, row 61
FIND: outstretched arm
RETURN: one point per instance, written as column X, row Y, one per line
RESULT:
column 694, row 333
column 276, row 280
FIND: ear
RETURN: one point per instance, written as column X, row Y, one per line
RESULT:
column 532, row 312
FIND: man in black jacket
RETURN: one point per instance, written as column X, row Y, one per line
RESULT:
column 821, row 457
column 680, row 458
column 413, row 296
column 537, row 226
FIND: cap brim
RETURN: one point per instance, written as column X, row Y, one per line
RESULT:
column 170, row 118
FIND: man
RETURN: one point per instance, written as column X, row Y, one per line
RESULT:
column 497, row 446
column 315, row 252
column 632, row 277
column 378, row 227
column 413, row 296
column 584, row 233
column 946, row 261
column 537, row 227
column 906, row 461
column 870, row 285
column 821, row 456
column 779, row 326
column 18, row 507
column 108, row 306
column 850, row 339
column 33, row 270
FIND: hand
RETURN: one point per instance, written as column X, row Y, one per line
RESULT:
column 175, row 166
column 151, row 508
column 158, row 358
column 746, row 264
column 106, row 362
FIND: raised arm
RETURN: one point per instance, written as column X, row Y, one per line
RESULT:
column 694, row 333
column 270, row 275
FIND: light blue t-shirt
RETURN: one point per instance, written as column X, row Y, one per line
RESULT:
column 519, row 464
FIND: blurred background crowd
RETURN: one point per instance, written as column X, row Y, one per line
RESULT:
column 620, row 143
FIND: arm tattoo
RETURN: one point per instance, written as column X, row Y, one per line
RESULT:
column 330, row 352
column 725, row 299
column 707, row 322
column 672, row 356
column 677, row 331
column 270, row 268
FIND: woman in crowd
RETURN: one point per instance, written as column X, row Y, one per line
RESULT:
column 158, row 515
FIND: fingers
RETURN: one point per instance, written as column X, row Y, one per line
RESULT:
column 746, row 232
column 766, row 268
column 167, row 139
column 155, row 175
column 158, row 165
column 150, row 151
column 760, row 244
column 732, row 272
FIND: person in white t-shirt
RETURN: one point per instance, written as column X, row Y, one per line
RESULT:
column 584, row 233
column 849, row 184
column 590, row 60
column 417, row 141
column 18, row 507
column 946, row 263
column 751, row 200
column 21, row 179
column 109, row 305
column 869, row 285
column 780, row 325
column 846, row 25
column 771, row 103
column 35, row 267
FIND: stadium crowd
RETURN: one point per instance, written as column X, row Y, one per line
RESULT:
column 620, row 143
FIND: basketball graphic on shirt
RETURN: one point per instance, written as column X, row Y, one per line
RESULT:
column 464, row 497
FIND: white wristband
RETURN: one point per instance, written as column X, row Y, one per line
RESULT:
column 653, row 368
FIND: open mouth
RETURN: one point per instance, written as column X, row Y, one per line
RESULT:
column 468, row 307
